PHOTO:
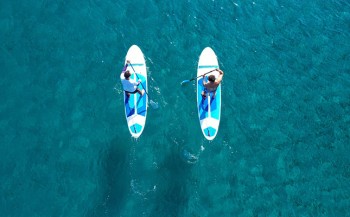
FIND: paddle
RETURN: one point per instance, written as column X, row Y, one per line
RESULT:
column 153, row 104
column 192, row 79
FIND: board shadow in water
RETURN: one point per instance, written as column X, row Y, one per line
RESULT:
column 172, row 195
column 115, row 180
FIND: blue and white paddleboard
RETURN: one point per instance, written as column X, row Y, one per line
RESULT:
column 136, row 105
column 209, row 108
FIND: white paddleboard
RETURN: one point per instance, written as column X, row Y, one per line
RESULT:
column 136, row 105
column 209, row 108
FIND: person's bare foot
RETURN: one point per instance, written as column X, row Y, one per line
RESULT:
column 204, row 95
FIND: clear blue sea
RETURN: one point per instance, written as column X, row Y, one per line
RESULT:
column 283, row 147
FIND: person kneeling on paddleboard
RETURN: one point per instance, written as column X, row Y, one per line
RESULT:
column 129, row 86
column 212, row 85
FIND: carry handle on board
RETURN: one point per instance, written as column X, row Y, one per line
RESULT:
column 192, row 79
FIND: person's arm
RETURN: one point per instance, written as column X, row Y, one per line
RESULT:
column 124, row 69
column 221, row 74
column 138, row 82
column 126, row 66
column 203, row 80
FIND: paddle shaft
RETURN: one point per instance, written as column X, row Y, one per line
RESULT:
column 201, row 75
column 138, row 78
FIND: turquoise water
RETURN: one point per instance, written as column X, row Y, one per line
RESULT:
column 283, row 144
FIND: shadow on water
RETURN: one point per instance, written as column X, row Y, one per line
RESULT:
column 172, row 195
column 115, row 179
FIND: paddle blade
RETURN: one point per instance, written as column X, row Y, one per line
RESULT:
column 184, row 82
column 153, row 104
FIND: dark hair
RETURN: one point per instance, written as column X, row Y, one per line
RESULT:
column 127, row 74
column 211, row 78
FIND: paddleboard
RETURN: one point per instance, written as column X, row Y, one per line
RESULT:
column 209, row 108
column 136, row 105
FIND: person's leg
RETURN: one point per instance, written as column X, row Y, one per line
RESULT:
column 128, row 93
column 141, row 92
column 127, row 96
column 214, row 94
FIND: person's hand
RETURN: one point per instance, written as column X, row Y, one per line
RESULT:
column 139, row 80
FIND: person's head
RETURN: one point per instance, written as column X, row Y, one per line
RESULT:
column 211, row 78
column 127, row 74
